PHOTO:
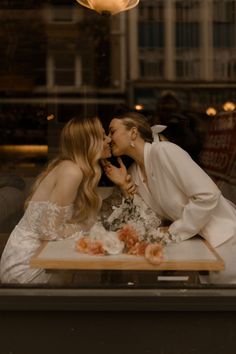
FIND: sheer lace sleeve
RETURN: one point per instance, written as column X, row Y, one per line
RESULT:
column 54, row 222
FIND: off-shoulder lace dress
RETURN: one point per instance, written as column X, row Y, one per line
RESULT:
column 43, row 220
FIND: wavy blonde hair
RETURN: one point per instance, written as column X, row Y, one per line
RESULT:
column 82, row 143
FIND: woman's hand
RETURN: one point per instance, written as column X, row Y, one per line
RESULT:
column 129, row 187
column 119, row 176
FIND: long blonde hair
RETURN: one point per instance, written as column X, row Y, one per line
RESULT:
column 82, row 143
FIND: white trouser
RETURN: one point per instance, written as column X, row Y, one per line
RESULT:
column 227, row 251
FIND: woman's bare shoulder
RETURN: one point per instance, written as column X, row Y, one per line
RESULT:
column 69, row 168
column 67, row 180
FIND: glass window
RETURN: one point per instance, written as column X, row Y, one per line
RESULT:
column 151, row 69
column 224, row 11
column 151, row 10
column 64, row 69
column 172, row 61
column 187, row 35
column 187, row 10
column 151, row 35
column 224, row 35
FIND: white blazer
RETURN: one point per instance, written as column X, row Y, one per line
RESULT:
column 179, row 190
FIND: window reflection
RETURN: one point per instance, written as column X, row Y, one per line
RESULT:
column 59, row 59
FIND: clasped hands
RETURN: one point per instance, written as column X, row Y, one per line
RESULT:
column 120, row 177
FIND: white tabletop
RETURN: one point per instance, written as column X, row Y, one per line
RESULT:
column 192, row 254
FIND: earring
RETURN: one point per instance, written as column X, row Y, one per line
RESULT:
column 132, row 144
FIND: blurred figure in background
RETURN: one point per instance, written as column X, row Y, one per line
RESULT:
column 181, row 127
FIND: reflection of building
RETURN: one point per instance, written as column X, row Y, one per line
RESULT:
column 71, row 60
column 67, row 60
column 188, row 46
column 78, row 40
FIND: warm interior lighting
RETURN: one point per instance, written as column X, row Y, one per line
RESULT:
column 29, row 149
column 229, row 106
column 50, row 117
column 109, row 6
column 139, row 107
column 211, row 111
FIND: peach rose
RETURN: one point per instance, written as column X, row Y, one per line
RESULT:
column 128, row 235
column 85, row 245
column 154, row 253
column 96, row 248
column 82, row 245
column 138, row 249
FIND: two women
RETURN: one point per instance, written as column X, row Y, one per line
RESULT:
column 176, row 188
column 64, row 201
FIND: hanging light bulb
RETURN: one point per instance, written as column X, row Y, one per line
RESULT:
column 139, row 107
column 109, row 6
column 211, row 111
column 229, row 106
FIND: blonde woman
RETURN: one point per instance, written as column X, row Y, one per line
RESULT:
column 64, row 200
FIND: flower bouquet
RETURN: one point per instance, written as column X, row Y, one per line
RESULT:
column 138, row 227
column 132, row 228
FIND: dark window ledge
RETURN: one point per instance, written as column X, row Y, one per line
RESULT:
column 159, row 299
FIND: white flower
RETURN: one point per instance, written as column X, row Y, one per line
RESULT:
column 109, row 239
column 111, row 243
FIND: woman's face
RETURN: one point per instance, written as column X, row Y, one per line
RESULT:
column 106, row 152
column 120, row 137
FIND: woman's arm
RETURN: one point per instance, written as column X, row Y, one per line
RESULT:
column 194, row 183
column 55, row 219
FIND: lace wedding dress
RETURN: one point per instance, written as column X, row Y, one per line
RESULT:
column 43, row 220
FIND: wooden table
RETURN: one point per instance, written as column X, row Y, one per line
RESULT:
column 191, row 255
column 182, row 263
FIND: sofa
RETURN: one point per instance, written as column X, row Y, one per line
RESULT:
column 13, row 192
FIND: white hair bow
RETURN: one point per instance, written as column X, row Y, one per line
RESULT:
column 156, row 129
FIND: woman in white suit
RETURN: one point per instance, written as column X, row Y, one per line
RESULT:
column 176, row 188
